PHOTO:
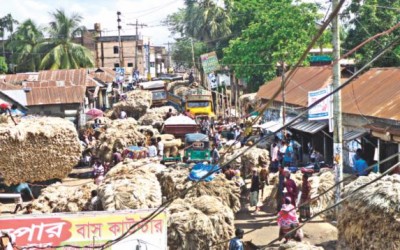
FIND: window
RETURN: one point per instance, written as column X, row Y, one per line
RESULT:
column 197, row 104
column 116, row 65
column 159, row 95
column 130, row 65
column 116, row 50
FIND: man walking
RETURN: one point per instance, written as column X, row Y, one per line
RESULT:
column 236, row 243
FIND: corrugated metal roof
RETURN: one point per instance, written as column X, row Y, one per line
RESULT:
column 45, row 84
column 8, row 86
column 20, row 77
column 311, row 127
column 351, row 135
column 376, row 93
column 304, row 80
column 103, row 75
column 75, row 76
column 55, row 95
column 18, row 95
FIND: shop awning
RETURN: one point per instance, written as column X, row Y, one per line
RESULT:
column 352, row 135
column 309, row 126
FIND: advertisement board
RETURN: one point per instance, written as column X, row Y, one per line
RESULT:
column 209, row 62
column 323, row 109
column 87, row 229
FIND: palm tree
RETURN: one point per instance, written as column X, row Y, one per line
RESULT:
column 24, row 43
column 60, row 52
column 6, row 23
column 206, row 20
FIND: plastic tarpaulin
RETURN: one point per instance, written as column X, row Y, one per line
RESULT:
column 200, row 170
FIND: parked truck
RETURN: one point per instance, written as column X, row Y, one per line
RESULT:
column 199, row 102
column 161, row 96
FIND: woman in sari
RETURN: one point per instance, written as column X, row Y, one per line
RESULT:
column 287, row 221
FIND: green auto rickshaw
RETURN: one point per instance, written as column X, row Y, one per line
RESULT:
column 197, row 148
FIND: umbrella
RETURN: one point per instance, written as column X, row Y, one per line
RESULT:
column 95, row 112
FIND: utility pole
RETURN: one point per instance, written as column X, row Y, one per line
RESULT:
column 169, row 57
column 337, row 104
column 119, row 39
column 137, row 40
column 283, row 96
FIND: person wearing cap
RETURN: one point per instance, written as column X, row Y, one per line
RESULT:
column 236, row 243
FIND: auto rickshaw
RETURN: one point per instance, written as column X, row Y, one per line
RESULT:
column 197, row 148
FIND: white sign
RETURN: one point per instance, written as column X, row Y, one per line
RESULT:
column 224, row 79
column 322, row 110
column 212, row 80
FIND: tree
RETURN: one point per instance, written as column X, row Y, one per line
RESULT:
column 60, row 52
column 367, row 18
column 280, row 31
column 24, row 43
column 182, row 52
column 6, row 24
column 3, row 65
column 206, row 21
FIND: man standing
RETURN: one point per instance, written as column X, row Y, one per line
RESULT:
column 160, row 147
column 123, row 115
column 169, row 114
column 236, row 243
column 360, row 165
column 152, row 150
column 215, row 155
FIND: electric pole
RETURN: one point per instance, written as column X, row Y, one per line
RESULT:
column 137, row 40
column 283, row 97
column 337, row 104
column 169, row 56
column 119, row 39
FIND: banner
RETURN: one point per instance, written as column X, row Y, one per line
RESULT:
column 87, row 229
column 209, row 62
column 321, row 111
column 119, row 74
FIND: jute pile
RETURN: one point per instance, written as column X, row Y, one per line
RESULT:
column 126, row 187
column 119, row 134
column 60, row 198
column 38, row 149
column 370, row 218
column 136, row 104
column 199, row 223
column 156, row 116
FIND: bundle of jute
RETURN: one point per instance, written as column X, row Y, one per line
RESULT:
column 370, row 218
column 135, row 105
column 235, row 155
column 148, row 128
column 118, row 135
column 221, row 188
column 294, row 245
column 172, row 143
column 199, row 223
column 125, row 187
column 156, row 116
column 255, row 157
column 38, row 149
column 174, row 181
column 249, row 101
column 58, row 198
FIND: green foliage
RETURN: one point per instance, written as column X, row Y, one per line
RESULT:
column 367, row 18
column 182, row 52
column 206, row 20
column 60, row 52
column 3, row 65
column 279, row 31
column 24, row 44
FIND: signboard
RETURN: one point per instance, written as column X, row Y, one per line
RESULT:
column 209, row 62
column 212, row 81
column 321, row 111
column 224, row 79
column 87, row 229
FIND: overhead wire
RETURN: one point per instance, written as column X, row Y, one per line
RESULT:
column 336, row 204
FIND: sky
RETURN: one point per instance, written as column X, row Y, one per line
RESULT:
column 150, row 12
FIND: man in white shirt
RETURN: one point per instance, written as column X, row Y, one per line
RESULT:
column 123, row 115
column 152, row 151
column 160, row 147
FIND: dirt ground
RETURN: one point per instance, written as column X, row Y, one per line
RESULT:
column 261, row 228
